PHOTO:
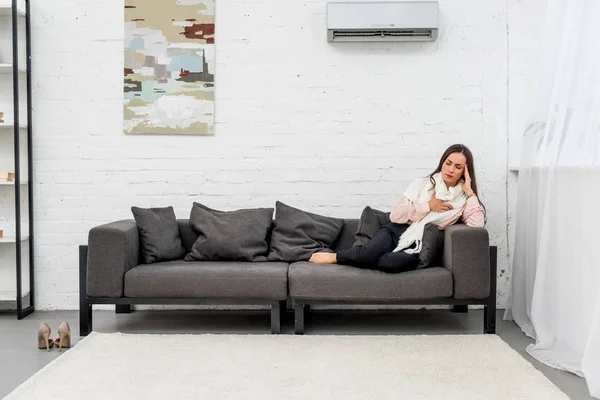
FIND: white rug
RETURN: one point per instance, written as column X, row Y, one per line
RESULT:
column 127, row 366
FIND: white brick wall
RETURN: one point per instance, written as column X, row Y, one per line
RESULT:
column 326, row 128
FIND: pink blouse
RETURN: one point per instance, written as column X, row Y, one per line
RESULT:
column 407, row 212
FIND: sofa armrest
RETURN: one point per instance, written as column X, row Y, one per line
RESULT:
column 113, row 249
column 467, row 257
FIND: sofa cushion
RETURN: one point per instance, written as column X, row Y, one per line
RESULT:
column 298, row 234
column 188, row 234
column 159, row 234
column 239, row 235
column 432, row 247
column 370, row 222
column 208, row 279
column 344, row 283
column 346, row 238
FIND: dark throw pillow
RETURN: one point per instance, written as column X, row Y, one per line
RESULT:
column 159, row 234
column 432, row 247
column 298, row 234
column 239, row 235
column 370, row 222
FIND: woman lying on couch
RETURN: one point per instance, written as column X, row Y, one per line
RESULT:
column 447, row 195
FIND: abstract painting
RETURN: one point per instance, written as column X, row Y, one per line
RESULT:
column 169, row 67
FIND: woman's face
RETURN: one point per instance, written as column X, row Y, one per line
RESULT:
column 453, row 168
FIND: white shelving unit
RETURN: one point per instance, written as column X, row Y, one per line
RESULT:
column 16, row 245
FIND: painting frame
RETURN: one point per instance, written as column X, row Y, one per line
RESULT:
column 169, row 67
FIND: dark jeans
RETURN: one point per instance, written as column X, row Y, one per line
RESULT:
column 377, row 253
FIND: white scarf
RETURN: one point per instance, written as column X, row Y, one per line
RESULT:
column 420, row 191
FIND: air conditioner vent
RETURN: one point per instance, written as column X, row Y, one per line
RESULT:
column 382, row 33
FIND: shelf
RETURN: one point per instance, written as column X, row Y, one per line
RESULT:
column 7, row 68
column 11, row 183
column 7, row 296
column 6, row 8
column 7, row 11
column 21, row 126
column 13, row 239
column 8, row 300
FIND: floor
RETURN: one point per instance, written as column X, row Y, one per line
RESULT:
column 20, row 358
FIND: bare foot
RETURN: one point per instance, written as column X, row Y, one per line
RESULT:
column 323, row 258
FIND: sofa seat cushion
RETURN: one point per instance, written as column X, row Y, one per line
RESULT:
column 208, row 279
column 334, row 282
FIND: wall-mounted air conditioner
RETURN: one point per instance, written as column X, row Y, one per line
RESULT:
column 400, row 21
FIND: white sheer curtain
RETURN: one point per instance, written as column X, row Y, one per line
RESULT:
column 556, row 268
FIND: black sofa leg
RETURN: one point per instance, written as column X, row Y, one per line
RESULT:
column 489, row 316
column 277, row 310
column 489, row 311
column 460, row 308
column 299, row 319
column 282, row 310
column 85, row 308
column 122, row 308
column 85, row 319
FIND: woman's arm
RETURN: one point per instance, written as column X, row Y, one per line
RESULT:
column 472, row 215
column 407, row 212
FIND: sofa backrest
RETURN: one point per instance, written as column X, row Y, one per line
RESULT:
column 344, row 241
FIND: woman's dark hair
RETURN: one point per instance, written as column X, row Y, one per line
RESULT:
column 460, row 148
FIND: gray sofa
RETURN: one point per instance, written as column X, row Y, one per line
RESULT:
column 111, row 273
